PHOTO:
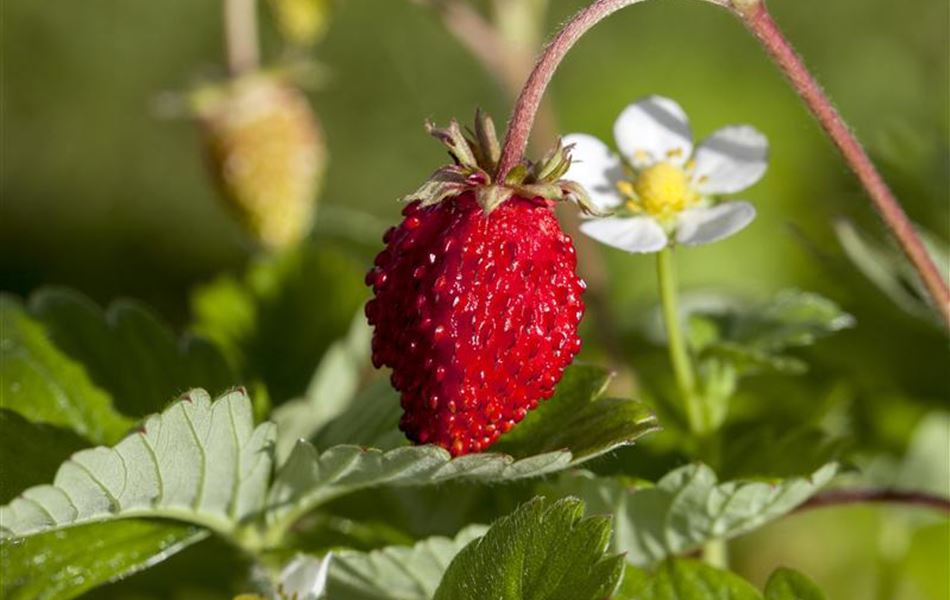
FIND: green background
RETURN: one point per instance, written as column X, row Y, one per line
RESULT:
column 104, row 189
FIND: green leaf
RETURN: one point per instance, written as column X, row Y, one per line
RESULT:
column 886, row 267
column 39, row 449
column 754, row 338
column 542, row 551
column 396, row 572
column 786, row 584
column 685, row 579
column 128, row 351
column 371, row 420
column 578, row 417
column 765, row 450
column 45, row 386
column 310, row 478
column 276, row 320
column 688, row 507
column 330, row 392
column 63, row 564
column 198, row 461
column 540, row 445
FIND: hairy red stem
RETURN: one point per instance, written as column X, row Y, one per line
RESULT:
column 516, row 140
column 844, row 497
column 758, row 20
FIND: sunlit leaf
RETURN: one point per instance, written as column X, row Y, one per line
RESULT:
column 64, row 564
column 685, row 579
column 575, row 425
column 199, row 461
column 396, row 572
column 542, row 551
column 128, row 351
column 38, row 451
column 581, row 418
column 688, row 507
column 786, row 584
column 44, row 385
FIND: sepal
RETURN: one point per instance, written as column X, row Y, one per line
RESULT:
column 459, row 147
column 475, row 154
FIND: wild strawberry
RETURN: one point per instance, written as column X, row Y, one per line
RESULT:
column 267, row 153
column 476, row 302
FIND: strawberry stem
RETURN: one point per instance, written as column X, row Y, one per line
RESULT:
column 758, row 20
column 676, row 342
column 240, row 36
column 529, row 100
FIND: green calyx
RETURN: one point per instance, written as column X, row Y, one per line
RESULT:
column 475, row 153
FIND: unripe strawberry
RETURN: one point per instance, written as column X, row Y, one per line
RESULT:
column 476, row 302
column 301, row 22
column 266, row 151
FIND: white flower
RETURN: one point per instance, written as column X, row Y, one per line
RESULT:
column 658, row 190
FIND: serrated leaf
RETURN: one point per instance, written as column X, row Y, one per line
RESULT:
column 542, row 551
column 396, row 572
column 47, row 446
column 309, row 478
column 575, row 425
column 163, row 470
column 277, row 319
column 786, row 584
column 58, row 565
column 580, row 418
column 685, row 579
column 128, row 351
column 44, row 385
column 688, row 507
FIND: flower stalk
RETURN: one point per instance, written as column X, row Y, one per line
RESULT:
column 240, row 36
column 526, row 107
column 759, row 21
column 676, row 342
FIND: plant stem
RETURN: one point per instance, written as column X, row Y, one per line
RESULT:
column 240, row 36
column 758, row 20
column 529, row 100
column 716, row 553
column 845, row 497
column 679, row 357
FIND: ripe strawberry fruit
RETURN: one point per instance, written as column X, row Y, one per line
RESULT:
column 476, row 302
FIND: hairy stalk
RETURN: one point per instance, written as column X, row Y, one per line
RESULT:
column 845, row 497
column 758, row 20
column 240, row 36
column 679, row 356
column 526, row 107
column 504, row 49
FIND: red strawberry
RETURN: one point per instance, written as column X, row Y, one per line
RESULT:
column 476, row 310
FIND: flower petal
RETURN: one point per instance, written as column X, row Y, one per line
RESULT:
column 596, row 168
column 697, row 226
column 653, row 130
column 633, row 234
column 730, row 160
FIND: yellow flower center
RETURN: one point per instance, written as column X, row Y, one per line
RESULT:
column 663, row 190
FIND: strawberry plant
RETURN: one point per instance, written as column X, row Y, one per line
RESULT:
column 488, row 404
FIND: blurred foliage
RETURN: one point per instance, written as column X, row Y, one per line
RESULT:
column 105, row 189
